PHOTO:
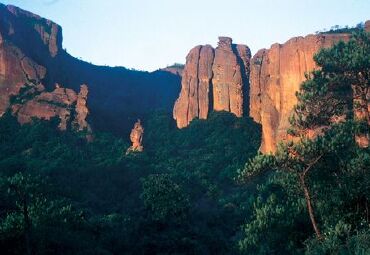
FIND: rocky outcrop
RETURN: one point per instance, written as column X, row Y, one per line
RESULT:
column 82, row 111
column 367, row 26
column 16, row 70
column 60, row 103
column 276, row 75
column 21, row 79
column 213, row 79
column 19, row 74
column 136, row 138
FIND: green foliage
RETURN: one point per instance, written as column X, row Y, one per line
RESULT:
column 315, row 198
column 63, row 195
column 177, row 197
column 341, row 240
column 164, row 198
column 329, row 92
column 339, row 184
column 34, row 221
column 338, row 30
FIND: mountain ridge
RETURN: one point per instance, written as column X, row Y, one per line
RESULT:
column 117, row 96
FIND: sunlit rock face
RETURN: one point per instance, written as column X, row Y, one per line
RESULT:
column 227, row 79
column 213, row 79
column 193, row 101
column 16, row 70
column 21, row 79
column 367, row 26
column 62, row 103
column 276, row 75
column 136, row 138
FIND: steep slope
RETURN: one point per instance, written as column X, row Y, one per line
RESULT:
column 31, row 49
column 213, row 79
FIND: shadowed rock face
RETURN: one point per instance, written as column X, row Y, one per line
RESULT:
column 276, row 75
column 49, row 32
column 213, row 79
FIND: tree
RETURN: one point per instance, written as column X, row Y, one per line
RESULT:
column 164, row 198
column 325, row 172
column 25, row 190
column 37, row 223
column 339, row 90
column 324, row 159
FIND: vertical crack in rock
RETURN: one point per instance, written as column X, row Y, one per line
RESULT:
column 197, row 88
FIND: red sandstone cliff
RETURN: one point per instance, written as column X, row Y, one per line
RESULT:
column 15, row 70
column 213, row 79
column 21, row 78
column 21, row 89
column 276, row 75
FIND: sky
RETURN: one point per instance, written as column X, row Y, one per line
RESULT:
column 151, row 34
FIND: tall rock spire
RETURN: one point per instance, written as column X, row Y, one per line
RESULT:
column 213, row 79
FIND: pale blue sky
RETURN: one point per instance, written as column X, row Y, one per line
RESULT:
column 149, row 34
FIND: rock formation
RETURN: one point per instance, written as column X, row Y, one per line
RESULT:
column 367, row 26
column 213, row 79
column 227, row 79
column 136, row 138
column 61, row 103
column 194, row 96
column 32, row 61
column 21, row 78
column 276, row 75
column 31, row 53
column 16, row 70
column 82, row 111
